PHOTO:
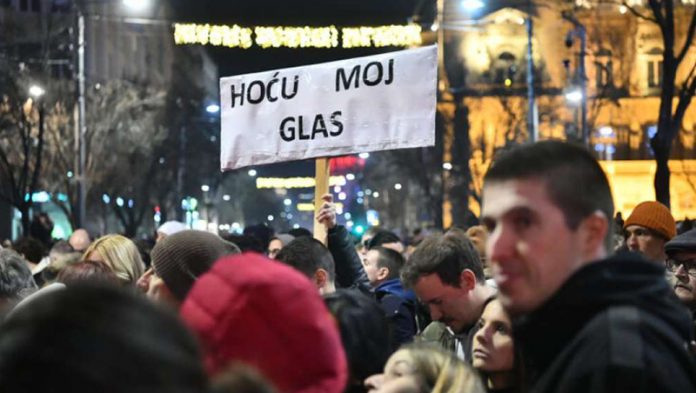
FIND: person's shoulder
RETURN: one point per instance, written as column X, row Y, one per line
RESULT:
column 632, row 338
column 434, row 331
column 622, row 348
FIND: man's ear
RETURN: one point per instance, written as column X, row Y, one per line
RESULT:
column 321, row 278
column 382, row 273
column 593, row 230
column 467, row 280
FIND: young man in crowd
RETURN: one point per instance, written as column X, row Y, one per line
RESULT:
column 383, row 266
column 586, row 322
column 446, row 274
column 648, row 228
column 312, row 259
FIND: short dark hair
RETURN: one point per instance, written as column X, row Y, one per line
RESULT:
column 16, row 280
column 382, row 237
column 575, row 181
column 447, row 256
column 245, row 243
column 391, row 260
column 30, row 248
column 365, row 333
column 299, row 232
column 307, row 254
column 129, row 331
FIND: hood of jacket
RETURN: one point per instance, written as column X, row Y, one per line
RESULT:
column 394, row 287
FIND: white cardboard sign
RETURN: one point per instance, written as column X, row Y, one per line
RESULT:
column 365, row 104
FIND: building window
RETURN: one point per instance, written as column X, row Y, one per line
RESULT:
column 62, row 6
column 654, row 73
column 505, row 69
column 35, row 5
column 654, row 64
column 604, row 76
column 24, row 5
column 650, row 132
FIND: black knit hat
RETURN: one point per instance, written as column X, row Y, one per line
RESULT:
column 179, row 259
column 684, row 242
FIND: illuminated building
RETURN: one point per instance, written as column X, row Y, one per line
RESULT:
column 486, row 70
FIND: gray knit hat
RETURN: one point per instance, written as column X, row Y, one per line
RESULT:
column 179, row 259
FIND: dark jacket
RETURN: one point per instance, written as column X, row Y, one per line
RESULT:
column 399, row 306
column 349, row 269
column 614, row 326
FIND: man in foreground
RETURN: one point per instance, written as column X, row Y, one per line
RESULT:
column 586, row 322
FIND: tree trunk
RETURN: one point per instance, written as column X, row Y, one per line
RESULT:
column 460, row 175
column 24, row 211
column 662, row 174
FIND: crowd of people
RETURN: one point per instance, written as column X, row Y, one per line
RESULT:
column 551, row 293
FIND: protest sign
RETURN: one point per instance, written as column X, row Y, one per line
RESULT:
column 365, row 104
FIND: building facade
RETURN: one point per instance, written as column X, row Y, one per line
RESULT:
column 486, row 68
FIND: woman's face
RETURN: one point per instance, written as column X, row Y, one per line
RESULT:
column 493, row 349
column 399, row 376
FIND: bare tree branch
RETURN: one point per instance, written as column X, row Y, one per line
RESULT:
column 689, row 39
column 656, row 7
column 638, row 14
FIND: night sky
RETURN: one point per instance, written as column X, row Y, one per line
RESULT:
column 295, row 13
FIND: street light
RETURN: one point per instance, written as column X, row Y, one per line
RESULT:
column 472, row 4
column 81, row 123
column 36, row 91
column 574, row 96
column 137, row 5
column 212, row 108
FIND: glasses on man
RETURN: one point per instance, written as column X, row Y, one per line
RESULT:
column 689, row 266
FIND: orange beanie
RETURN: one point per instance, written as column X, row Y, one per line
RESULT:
column 653, row 215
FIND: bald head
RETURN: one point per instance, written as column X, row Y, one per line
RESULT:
column 80, row 240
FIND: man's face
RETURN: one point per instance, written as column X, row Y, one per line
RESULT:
column 274, row 247
column 447, row 304
column 685, row 286
column 370, row 266
column 641, row 239
column 530, row 249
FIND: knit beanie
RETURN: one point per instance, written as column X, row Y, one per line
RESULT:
column 179, row 259
column 249, row 309
column 653, row 215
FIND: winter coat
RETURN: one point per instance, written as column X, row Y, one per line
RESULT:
column 399, row 306
column 614, row 326
column 349, row 269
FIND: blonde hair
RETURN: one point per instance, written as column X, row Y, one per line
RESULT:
column 120, row 254
column 442, row 372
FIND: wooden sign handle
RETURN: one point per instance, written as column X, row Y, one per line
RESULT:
column 321, row 187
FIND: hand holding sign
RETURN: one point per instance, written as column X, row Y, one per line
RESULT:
column 327, row 212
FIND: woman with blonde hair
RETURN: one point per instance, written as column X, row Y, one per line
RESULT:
column 120, row 254
column 425, row 368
